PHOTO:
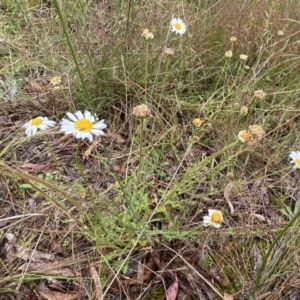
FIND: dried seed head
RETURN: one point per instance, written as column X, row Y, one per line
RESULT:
column 228, row 53
column 147, row 34
column 256, row 130
column 141, row 111
column 244, row 136
column 260, row 94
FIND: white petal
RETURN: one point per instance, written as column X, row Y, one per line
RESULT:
column 31, row 130
column 79, row 115
column 87, row 115
column 78, row 135
column 68, row 131
column 90, row 137
column 206, row 221
column 43, row 127
column 210, row 212
column 97, row 132
column 65, row 127
column 83, row 134
column 71, row 116
column 49, row 123
column 297, row 153
column 67, row 123
column 28, row 131
column 100, row 125
column 217, row 225
column 26, row 125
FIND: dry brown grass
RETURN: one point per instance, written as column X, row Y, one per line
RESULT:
column 100, row 231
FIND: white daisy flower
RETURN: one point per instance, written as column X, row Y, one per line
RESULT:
column 214, row 218
column 82, row 125
column 295, row 158
column 42, row 123
column 178, row 26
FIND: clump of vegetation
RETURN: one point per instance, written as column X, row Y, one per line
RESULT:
column 149, row 151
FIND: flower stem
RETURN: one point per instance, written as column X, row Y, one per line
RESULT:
column 78, row 163
column 146, row 69
column 141, row 149
column 67, row 35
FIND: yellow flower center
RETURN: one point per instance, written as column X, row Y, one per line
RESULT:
column 36, row 121
column 83, row 125
column 55, row 80
column 197, row 122
column 297, row 161
column 216, row 217
column 177, row 26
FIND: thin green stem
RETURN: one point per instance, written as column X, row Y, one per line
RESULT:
column 146, row 69
column 67, row 35
column 130, row 9
column 141, row 149
column 77, row 152
column 78, row 163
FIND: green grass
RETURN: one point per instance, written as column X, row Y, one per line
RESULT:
column 127, row 218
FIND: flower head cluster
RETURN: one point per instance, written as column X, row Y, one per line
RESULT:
column 228, row 53
column 254, row 132
column 260, row 94
column 169, row 51
column 243, row 57
column 244, row 110
column 141, row 111
column 147, row 34
column 244, row 136
column 214, row 218
column 81, row 125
